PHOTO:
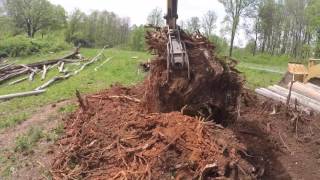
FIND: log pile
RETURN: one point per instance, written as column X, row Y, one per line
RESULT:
column 302, row 96
column 9, row 71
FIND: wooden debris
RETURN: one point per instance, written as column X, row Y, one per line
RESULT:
column 23, row 94
column 31, row 77
column 10, row 71
column 309, row 92
column 61, row 67
column 18, row 81
column 44, row 72
column 96, row 58
column 51, row 81
column 99, row 66
column 82, row 103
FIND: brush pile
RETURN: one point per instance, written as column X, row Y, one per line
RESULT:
column 214, row 87
column 10, row 71
column 111, row 137
column 139, row 133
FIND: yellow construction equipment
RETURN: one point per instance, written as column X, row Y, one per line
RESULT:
column 305, row 74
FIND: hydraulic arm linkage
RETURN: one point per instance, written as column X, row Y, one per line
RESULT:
column 177, row 56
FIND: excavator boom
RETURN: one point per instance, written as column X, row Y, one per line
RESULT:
column 177, row 56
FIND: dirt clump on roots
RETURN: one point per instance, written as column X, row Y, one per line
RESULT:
column 212, row 91
column 114, row 139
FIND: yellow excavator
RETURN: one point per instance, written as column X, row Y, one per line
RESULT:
column 305, row 74
column 177, row 56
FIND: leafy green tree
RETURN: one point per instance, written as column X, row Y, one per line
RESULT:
column 137, row 41
column 35, row 15
column 221, row 44
column 235, row 9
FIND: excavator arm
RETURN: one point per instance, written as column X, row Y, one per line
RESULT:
column 177, row 56
column 172, row 14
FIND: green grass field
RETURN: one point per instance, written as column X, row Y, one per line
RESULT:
column 259, row 71
column 122, row 68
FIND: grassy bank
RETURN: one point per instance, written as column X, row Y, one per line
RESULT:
column 122, row 68
column 261, row 70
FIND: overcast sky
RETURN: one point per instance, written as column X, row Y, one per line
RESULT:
column 138, row 10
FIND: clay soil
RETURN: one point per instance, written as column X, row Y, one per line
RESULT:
column 112, row 138
column 205, row 127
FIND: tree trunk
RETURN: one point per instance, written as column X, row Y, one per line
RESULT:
column 29, row 29
column 233, row 33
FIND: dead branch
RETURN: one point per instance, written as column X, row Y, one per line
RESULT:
column 18, row 81
column 44, row 72
column 51, row 81
column 284, row 143
column 82, row 103
column 31, row 77
column 99, row 66
column 127, row 97
column 23, row 94
column 61, row 67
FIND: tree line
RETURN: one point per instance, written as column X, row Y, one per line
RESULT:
column 277, row 27
column 287, row 27
column 40, row 17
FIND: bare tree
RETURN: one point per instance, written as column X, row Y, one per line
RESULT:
column 155, row 17
column 235, row 9
column 182, row 24
column 208, row 22
column 193, row 24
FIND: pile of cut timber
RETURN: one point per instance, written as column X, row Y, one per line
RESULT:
column 304, row 96
column 10, row 71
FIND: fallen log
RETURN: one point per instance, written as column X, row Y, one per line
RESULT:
column 51, row 81
column 313, row 86
column 59, row 78
column 61, row 67
column 272, row 95
column 97, row 57
column 301, row 99
column 10, row 71
column 44, row 72
column 18, row 81
column 23, row 94
column 99, row 66
column 31, row 77
column 13, row 75
column 305, row 90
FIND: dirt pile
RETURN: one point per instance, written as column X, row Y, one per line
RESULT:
column 111, row 138
column 139, row 133
column 212, row 91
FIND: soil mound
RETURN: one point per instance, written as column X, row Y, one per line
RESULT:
column 112, row 138
column 212, row 91
column 139, row 133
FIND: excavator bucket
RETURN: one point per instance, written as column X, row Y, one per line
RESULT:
column 177, row 56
